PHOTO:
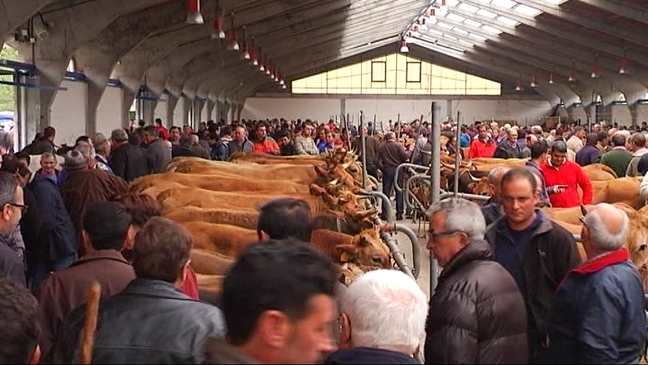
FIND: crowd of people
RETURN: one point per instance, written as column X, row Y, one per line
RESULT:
column 512, row 289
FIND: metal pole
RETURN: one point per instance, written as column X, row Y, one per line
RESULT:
column 435, row 171
column 363, row 147
column 374, row 126
column 457, row 157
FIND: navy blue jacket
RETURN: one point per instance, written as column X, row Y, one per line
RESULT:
column 598, row 313
column 588, row 155
column 57, row 237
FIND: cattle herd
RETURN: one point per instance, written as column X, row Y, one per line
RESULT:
column 218, row 203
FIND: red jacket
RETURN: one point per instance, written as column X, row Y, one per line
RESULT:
column 164, row 133
column 480, row 148
column 571, row 174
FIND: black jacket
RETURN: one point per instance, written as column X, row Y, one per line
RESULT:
column 477, row 314
column 150, row 322
column 551, row 254
column 57, row 237
column 366, row 355
column 129, row 162
column 506, row 150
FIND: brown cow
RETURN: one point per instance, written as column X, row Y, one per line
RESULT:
column 208, row 262
column 599, row 172
column 219, row 183
column 623, row 190
column 366, row 248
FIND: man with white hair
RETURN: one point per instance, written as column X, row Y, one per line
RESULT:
column 492, row 209
column 598, row 313
column 382, row 321
column 477, row 314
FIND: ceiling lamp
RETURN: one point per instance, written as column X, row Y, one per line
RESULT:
column 551, row 74
column 404, row 48
column 595, row 71
column 624, row 63
column 234, row 46
column 193, row 12
column 218, row 32
column 432, row 16
column 246, row 54
column 518, row 87
column 443, row 8
column 408, row 38
column 415, row 31
column 253, row 58
column 572, row 73
column 421, row 24
column 262, row 60
column 534, row 81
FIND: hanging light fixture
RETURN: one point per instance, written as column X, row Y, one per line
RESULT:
column 268, row 69
column 262, row 61
column 415, row 31
column 444, row 7
column 253, row 55
column 518, row 87
column 595, row 71
column 432, row 16
column 624, row 63
column 572, row 73
column 234, row 46
column 218, row 32
column 421, row 24
column 404, row 48
column 193, row 12
column 246, row 54
column 408, row 38
column 534, row 80
column 551, row 74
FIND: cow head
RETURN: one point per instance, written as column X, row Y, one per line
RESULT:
column 366, row 250
column 480, row 186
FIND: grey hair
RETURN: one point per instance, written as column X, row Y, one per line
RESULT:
column 536, row 129
column 600, row 237
column 185, row 140
column 48, row 155
column 8, row 187
column 495, row 175
column 85, row 149
column 462, row 215
column 102, row 146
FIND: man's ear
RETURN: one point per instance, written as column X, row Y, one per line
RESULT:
column 85, row 240
column 129, row 243
column 345, row 332
column 263, row 236
column 36, row 355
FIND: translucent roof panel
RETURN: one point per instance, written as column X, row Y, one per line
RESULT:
column 486, row 13
column 527, row 10
column 468, row 7
column 504, row 3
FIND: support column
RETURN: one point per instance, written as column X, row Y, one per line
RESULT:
column 239, row 111
column 210, row 109
column 172, row 101
column 449, row 110
column 94, row 93
column 634, row 114
column 198, row 106
column 187, row 108
column 127, row 97
column 225, row 112
column 31, row 113
column 148, row 110
column 342, row 107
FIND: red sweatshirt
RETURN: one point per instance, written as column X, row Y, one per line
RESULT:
column 571, row 174
column 479, row 148
column 190, row 284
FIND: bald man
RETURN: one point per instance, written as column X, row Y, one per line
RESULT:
column 598, row 315
column 492, row 209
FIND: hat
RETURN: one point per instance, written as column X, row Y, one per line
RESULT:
column 74, row 160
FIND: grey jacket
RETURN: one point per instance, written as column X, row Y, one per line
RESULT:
column 158, row 156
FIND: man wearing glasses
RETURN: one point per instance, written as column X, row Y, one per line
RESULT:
column 12, row 205
column 537, row 252
column 477, row 314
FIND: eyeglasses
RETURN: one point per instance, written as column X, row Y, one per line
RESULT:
column 23, row 208
column 434, row 236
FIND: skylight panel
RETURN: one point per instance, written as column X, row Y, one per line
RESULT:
column 504, row 3
column 492, row 30
column 447, row 36
column 477, row 37
column 455, row 17
column 459, row 30
column 465, row 43
column 451, row 2
column 434, row 31
column 468, row 7
column 527, row 10
column 507, row 21
column 486, row 13
column 445, row 25
column 472, row 23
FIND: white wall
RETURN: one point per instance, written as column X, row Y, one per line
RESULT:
column 578, row 112
column 178, row 112
column 642, row 113
column 621, row 114
column 109, row 110
column 524, row 111
column 203, row 113
column 161, row 111
column 316, row 109
column 68, row 112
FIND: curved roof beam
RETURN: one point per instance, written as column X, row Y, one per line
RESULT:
column 14, row 13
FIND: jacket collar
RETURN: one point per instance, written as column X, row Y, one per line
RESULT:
column 217, row 351
column 601, row 262
column 154, row 288
column 475, row 250
column 101, row 255
column 545, row 224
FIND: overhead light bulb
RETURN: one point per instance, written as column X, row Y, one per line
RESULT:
column 255, row 62
column 193, row 12
column 246, row 55
column 283, row 86
column 422, row 24
column 404, row 48
column 261, row 68
column 235, row 46
column 443, row 7
column 282, row 82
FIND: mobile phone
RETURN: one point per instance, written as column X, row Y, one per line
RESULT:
column 562, row 186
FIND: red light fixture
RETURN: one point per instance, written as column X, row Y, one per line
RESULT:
column 193, row 12
column 624, row 63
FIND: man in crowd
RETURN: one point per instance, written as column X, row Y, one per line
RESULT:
column 157, row 152
column 390, row 156
column 492, row 209
column 12, row 205
column 563, row 178
column 392, row 332
column 590, row 153
column 476, row 315
column 240, row 142
column 483, row 145
column 598, row 315
column 303, row 143
column 509, row 148
column 19, row 328
column 278, row 306
column 264, row 143
column 127, row 161
column 537, row 252
column 150, row 321
column 619, row 158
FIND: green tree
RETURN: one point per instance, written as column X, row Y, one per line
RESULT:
column 7, row 96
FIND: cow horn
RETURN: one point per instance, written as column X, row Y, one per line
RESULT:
column 346, row 165
column 583, row 210
column 472, row 177
column 334, row 182
column 365, row 213
column 363, row 192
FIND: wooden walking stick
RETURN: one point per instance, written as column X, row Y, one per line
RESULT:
column 90, row 325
